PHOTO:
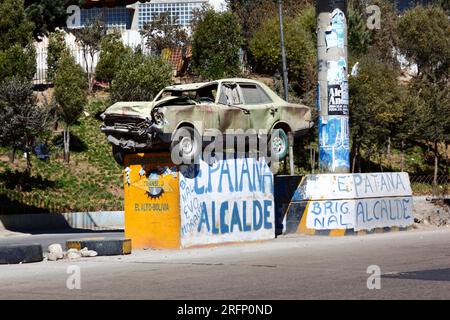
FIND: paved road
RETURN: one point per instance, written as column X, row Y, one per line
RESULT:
column 414, row 264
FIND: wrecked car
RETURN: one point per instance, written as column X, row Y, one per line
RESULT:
column 202, row 110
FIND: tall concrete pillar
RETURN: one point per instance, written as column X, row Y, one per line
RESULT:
column 332, row 88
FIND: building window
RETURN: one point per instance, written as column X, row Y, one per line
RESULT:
column 118, row 17
column 181, row 12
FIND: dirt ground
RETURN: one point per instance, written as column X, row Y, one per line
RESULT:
column 428, row 213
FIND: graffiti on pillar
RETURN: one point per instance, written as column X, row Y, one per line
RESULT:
column 360, row 214
column 335, row 34
column 335, row 145
column 230, row 200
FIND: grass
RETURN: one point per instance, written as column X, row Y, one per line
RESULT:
column 92, row 181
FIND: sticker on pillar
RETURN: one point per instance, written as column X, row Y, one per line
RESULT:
column 338, row 99
column 335, row 144
column 337, row 71
column 335, row 34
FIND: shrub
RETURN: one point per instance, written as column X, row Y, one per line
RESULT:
column 18, row 62
column 22, row 120
column 300, row 47
column 56, row 46
column 140, row 78
column 112, row 52
column 215, row 45
column 70, row 93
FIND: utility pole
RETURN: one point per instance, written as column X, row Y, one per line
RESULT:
column 332, row 87
column 283, row 53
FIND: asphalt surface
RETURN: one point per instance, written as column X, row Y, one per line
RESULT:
column 413, row 264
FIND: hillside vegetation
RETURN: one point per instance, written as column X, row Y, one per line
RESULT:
column 91, row 181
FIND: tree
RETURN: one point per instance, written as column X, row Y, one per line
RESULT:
column 47, row 15
column 375, row 107
column 424, row 40
column 359, row 37
column 300, row 48
column 434, row 119
column 22, row 120
column 18, row 62
column 384, row 41
column 56, row 47
column 215, row 45
column 111, row 56
column 17, row 55
column 140, row 77
column 89, row 38
column 251, row 14
column 164, row 33
column 15, row 28
column 70, row 94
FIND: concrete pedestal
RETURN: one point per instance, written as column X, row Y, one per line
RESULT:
column 168, row 206
column 342, row 204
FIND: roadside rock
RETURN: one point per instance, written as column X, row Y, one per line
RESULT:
column 55, row 252
column 72, row 254
column 88, row 253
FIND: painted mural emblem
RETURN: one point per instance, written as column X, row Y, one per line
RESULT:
column 155, row 183
column 155, row 188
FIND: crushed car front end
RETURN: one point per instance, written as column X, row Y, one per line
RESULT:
column 133, row 126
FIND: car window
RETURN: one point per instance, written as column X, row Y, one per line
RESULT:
column 229, row 94
column 254, row 94
column 207, row 94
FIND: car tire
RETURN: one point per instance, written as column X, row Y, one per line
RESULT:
column 279, row 144
column 186, row 146
column 119, row 155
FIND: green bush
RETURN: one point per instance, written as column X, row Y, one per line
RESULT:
column 18, row 62
column 70, row 88
column 70, row 93
column 112, row 52
column 15, row 28
column 300, row 47
column 215, row 45
column 140, row 78
column 56, row 46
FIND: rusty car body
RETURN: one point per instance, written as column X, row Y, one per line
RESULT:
column 204, row 109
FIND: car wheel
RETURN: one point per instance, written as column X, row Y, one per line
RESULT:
column 279, row 144
column 185, row 146
column 119, row 155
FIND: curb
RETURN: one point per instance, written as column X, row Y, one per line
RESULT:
column 101, row 220
column 14, row 254
column 104, row 247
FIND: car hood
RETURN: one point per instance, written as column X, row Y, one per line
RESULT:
column 136, row 108
column 133, row 108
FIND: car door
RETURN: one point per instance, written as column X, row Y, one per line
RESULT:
column 233, row 115
column 260, row 106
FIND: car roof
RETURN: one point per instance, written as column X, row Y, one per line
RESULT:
column 198, row 85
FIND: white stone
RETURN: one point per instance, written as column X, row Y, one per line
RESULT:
column 88, row 253
column 72, row 254
column 55, row 252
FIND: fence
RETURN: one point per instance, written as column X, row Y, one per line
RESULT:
column 40, row 76
column 424, row 185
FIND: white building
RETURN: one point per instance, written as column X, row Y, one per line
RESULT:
column 126, row 15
